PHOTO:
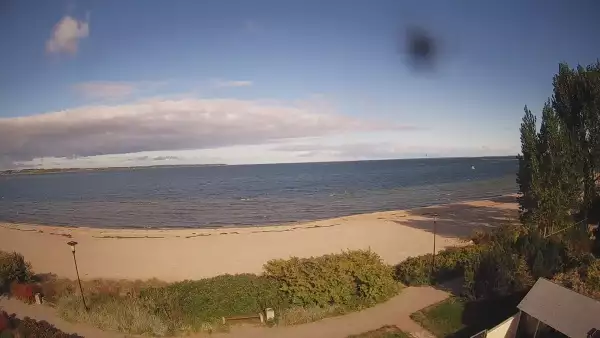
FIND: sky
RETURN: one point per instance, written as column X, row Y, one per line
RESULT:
column 125, row 83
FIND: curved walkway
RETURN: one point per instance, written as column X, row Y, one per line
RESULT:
column 396, row 312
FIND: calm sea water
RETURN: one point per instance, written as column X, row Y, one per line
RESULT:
column 249, row 194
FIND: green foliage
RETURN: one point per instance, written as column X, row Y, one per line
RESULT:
column 511, row 265
column 13, row 268
column 558, row 166
column 352, row 279
column 449, row 263
column 195, row 303
column 300, row 315
column 500, row 272
column 528, row 174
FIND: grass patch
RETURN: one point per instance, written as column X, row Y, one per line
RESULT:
column 113, row 313
column 442, row 319
column 387, row 331
column 460, row 317
column 300, row 315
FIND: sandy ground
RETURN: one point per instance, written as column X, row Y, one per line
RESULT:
column 173, row 255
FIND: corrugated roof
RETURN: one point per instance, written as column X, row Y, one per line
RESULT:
column 565, row 310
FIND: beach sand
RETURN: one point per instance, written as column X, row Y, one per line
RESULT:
column 178, row 254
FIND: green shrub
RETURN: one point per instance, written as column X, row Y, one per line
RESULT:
column 194, row 304
column 13, row 268
column 449, row 263
column 499, row 272
column 352, row 279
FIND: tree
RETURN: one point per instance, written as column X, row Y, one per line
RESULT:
column 576, row 101
column 558, row 183
column 528, row 175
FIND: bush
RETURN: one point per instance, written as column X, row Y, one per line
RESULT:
column 499, row 272
column 10, row 326
column 350, row 279
column 13, row 268
column 194, row 304
column 449, row 263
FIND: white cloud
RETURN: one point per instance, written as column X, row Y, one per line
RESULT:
column 66, row 35
column 155, row 125
column 238, row 83
column 112, row 90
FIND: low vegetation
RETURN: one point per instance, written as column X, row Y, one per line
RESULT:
column 299, row 290
column 449, row 264
column 584, row 279
column 383, row 332
column 11, row 326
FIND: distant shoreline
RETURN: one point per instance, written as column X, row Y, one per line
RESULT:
column 37, row 171
column 78, row 170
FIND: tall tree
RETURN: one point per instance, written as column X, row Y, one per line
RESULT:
column 528, row 176
column 559, row 188
column 576, row 102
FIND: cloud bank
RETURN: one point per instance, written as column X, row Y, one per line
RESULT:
column 66, row 35
column 156, row 125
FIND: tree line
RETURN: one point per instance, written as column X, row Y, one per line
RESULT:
column 558, row 164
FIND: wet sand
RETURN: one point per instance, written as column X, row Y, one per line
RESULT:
column 178, row 254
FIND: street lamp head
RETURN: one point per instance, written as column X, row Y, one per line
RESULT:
column 72, row 245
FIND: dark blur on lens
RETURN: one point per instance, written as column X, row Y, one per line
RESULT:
column 420, row 49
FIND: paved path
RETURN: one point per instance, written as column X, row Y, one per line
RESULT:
column 396, row 312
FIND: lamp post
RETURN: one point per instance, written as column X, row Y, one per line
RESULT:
column 433, row 257
column 72, row 244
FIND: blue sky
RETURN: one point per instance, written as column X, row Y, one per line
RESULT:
column 97, row 83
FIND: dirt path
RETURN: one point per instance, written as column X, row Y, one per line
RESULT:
column 396, row 311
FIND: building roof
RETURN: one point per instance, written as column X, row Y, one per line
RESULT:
column 565, row 310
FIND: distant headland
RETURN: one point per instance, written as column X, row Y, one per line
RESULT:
column 39, row 171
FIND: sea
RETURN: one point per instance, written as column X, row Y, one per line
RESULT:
column 248, row 195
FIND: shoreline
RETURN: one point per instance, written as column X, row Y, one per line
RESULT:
column 243, row 226
column 173, row 254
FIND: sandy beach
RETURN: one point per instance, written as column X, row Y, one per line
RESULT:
column 178, row 254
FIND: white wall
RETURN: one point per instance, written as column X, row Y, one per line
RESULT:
column 506, row 329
